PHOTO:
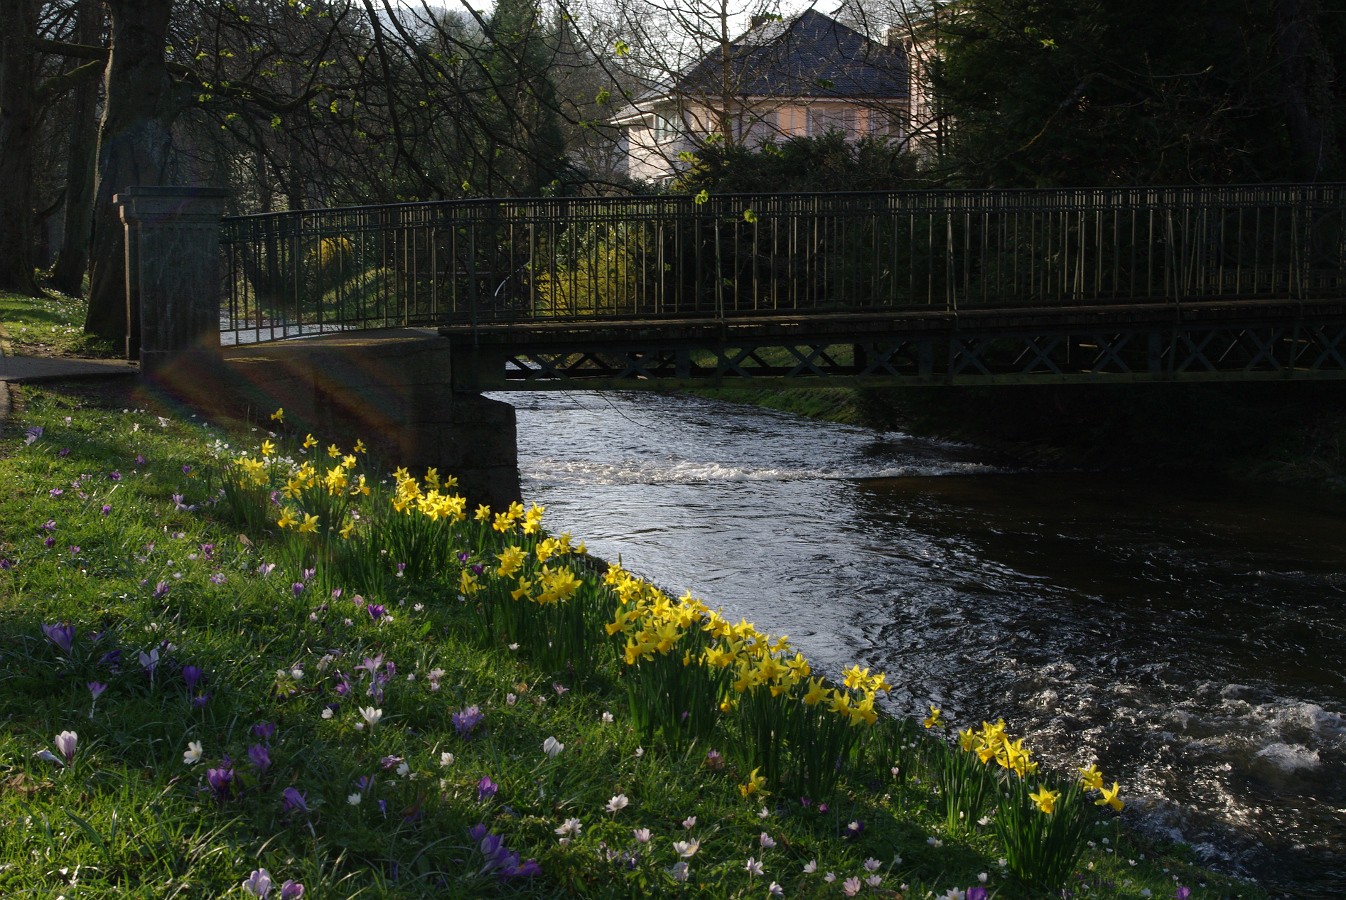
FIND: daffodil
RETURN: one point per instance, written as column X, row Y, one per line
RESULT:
column 1110, row 797
column 287, row 519
column 333, row 451
column 754, row 785
column 346, row 530
column 310, row 524
column 1091, row 778
column 359, row 446
column 279, row 415
column 483, row 513
column 510, row 561
column 310, row 441
column 935, row 719
column 268, row 448
column 1045, row 799
column 816, row 693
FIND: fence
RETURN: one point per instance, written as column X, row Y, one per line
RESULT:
column 576, row 259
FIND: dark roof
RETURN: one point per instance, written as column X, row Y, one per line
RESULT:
column 808, row 56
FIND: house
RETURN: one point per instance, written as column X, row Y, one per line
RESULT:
column 783, row 78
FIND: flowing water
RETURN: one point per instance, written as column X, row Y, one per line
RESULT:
column 1188, row 636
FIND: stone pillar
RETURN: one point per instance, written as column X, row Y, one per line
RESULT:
column 172, row 275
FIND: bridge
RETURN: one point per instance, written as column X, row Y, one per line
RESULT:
column 912, row 287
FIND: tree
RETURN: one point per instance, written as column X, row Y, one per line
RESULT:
column 18, row 128
column 81, row 163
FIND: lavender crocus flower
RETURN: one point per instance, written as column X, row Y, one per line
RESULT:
column 140, row 460
column 309, row 573
column 467, row 720
column 74, row 549
column 376, row 611
column 32, row 433
column 265, row 731
column 218, row 578
column 49, row 525
column 63, row 452
column 62, row 635
column 486, row 789
column 291, row 890
column 49, row 542
column 265, row 569
column 191, row 675
column 6, row 563
column 478, row 568
column 221, row 782
column 293, row 799
column 298, row 588
column 258, row 883
column 66, row 742
column 55, row 492
column 115, row 476
column 107, row 509
column 261, row 758
column 200, row 701
column 160, row 589
column 96, row 688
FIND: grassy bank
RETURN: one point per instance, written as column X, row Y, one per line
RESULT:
column 369, row 715
column 49, row 325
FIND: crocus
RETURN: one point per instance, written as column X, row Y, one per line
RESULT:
column 754, row 867
column 217, row 578
column 160, row 589
column 96, row 688
column 467, row 720
column 261, row 758
column 679, row 871
column 191, row 675
column 297, row 587
column 686, row 849
column 107, row 509
column 221, row 782
column 486, row 789
column 150, row 661
column 371, row 715
column 65, row 742
column 265, row 731
column 32, row 433
column 258, row 883
column 551, row 746
column 642, row 835
column 980, row 893
column 618, row 802
column 6, row 562
column 63, row 636
column 49, row 542
column 376, row 611
column 115, row 476
column 766, row 841
column 291, row 890
column 293, row 799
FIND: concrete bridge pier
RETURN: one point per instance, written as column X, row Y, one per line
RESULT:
column 394, row 391
column 391, row 389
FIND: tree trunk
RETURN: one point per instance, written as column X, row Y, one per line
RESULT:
column 18, row 130
column 67, row 276
column 133, row 142
column 1306, row 86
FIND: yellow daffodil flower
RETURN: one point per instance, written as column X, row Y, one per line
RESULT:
column 467, row 584
column 483, row 513
column 1045, row 799
column 310, row 524
column 1110, row 798
column 334, row 451
column 934, row 720
column 965, row 740
column 268, row 448
column 511, row 559
column 286, row 520
column 816, row 693
column 346, row 530
column 856, row 678
column 279, row 415
column 359, row 446
column 754, row 786
column 310, row 441
column 1091, row 778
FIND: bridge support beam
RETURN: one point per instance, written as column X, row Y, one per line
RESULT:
column 394, row 391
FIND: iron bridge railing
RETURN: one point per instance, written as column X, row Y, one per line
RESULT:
column 584, row 259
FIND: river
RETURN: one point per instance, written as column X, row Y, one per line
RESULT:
column 1187, row 635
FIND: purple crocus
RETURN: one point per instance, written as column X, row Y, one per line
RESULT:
column 49, row 525
column 559, row 688
column 107, row 509
column 376, row 611
column 293, row 799
column 977, row 893
column 221, row 782
column 383, row 808
column 55, row 492
column 49, row 542
column 74, row 549
column 401, row 567
column 478, row 568
column 261, row 758
column 208, row 551
column 390, row 762
column 258, row 883
column 200, row 700
column 6, row 563
column 218, row 578
column 32, row 433
column 467, row 720
column 309, row 573
column 853, row 830
column 486, row 789
column 96, row 688
column 115, row 476
column 186, row 470
column 498, row 859
column 371, row 664
column 140, row 460
column 1181, row 893
column 191, row 675
column 63, row 452
column 265, row 731
column 265, row 569
column 62, row 635
column 291, row 890
column 160, row 589
column 298, row 588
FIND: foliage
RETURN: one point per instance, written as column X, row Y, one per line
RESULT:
column 825, row 163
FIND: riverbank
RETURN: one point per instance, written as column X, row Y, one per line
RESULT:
column 213, row 678
column 1273, row 433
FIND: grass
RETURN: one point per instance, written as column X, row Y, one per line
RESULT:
column 49, row 325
